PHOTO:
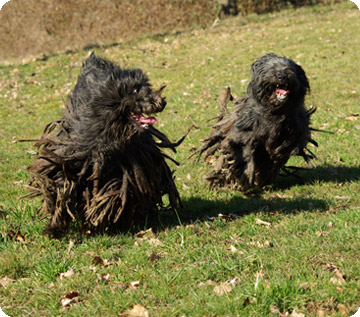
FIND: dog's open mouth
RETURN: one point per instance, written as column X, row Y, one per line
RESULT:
column 282, row 94
column 141, row 121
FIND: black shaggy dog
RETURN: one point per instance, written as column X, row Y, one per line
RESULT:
column 99, row 164
column 251, row 145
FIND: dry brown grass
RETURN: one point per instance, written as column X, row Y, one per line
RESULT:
column 44, row 27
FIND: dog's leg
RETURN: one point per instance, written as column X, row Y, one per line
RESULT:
column 96, row 178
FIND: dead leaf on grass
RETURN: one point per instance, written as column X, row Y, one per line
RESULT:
column 149, row 236
column 17, row 236
column 275, row 310
column 260, row 245
column 135, row 284
column 263, row 223
column 339, row 289
column 296, row 314
column 339, row 278
column 353, row 118
column 322, row 233
column 342, row 309
column 5, row 281
column 154, row 257
column 222, row 289
column 342, row 197
column 306, row 285
column 225, row 288
column 145, row 234
column 136, row 311
column 104, row 277
column 337, row 281
column 235, row 250
column 71, row 244
column 69, row 299
column 184, row 186
column 67, row 274
column 155, row 242
column 320, row 313
column 234, row 282
column 207, row 283
column 98, row 260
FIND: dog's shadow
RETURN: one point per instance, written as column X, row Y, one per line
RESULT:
column 319, row 174
column 201, row 209
column 197, row 209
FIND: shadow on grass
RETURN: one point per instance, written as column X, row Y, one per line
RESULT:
column 321, row 174
column 200, row 209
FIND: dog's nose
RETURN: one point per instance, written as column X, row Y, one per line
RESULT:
column 163, row 103
column 281, row 77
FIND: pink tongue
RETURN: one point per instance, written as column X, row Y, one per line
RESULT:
column 146, row 120
column 282, row 92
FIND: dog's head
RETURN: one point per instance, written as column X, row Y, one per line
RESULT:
column 277, row 82
column 112, row 103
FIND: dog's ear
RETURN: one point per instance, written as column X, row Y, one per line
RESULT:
column 302, row 77
column 160, row 90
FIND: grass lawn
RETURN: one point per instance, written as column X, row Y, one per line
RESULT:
column 292, row 248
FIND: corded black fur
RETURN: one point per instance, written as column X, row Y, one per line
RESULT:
column 99, row 164
column 251, row 145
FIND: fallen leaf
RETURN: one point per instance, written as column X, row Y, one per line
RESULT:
column 67, row 274
column 155, row 242
column 339, row 278
column 5, row 281
column 104, row 277
column 97, row 260
column 136, row 311
column 246, row 301
column 336, row 281
column 306, row 285
column 92, row 268
column 18, row 237
column 260, row 245
column 322, row 234
column 342, row 197
column 263, row 223
column 223, row 217
column 342, row 309
column 69, row 299
column 222, row 289
column 275, row 310
column 135, row 284
column 154, row 257
column 320, row 313
column 184, row 186
column 339, row 289
column 207, row 283
column 234, row 250
column 353, row 118
column 234, row 282
column 296, row 314
column 145, row 234
column 71, row 244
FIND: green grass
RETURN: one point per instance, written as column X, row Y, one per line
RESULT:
column 315, row 221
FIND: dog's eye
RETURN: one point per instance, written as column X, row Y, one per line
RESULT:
column 135, row 91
